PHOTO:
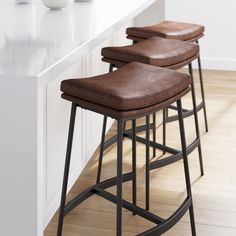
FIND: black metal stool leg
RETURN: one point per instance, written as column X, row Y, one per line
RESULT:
column 202, row 90
column 164, row 112
column 111, row 66
column 147, row 161
column 196, row 119
column 154, row 133
column 186, row 166
column 66, row 169
column 101, row 149
column 102, row 140
column 134, row 164
column 120, row 130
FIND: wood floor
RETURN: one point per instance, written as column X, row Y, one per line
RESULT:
column 214, row 194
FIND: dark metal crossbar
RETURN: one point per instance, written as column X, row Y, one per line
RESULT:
column 186, row 113
column 91, row 191
column 171, row 221
column 174, row 158
column 162, row 225
column 130, row 207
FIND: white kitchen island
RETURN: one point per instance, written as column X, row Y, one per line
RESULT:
column 38, row 49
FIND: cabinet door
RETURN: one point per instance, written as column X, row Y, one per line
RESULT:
column 57, row 125
column 93, row 121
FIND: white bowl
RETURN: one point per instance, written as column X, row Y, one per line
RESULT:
column 23, row 1
column 57, row 4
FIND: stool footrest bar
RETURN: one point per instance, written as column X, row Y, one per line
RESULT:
column 113, row 140
column 110, row 142
column 112, row 182
column 77, row 200
column 175, row 157
column 185, row 113
column 130, row 207
column 155, row 145
column 139, row 128
column 192, row 146
column 172, row 107
column 171, row 221
column 91, row 191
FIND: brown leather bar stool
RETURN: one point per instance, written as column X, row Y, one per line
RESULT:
column 179, row 31
column 161, row 52
column 136, row 90
column 167, row 29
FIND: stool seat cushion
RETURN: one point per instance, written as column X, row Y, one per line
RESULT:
column 134, row 86
column 168, row 29
column 154, row 51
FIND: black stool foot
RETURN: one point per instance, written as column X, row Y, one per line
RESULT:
column 192, row 221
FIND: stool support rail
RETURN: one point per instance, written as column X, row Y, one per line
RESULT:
column 173, row 158
column 162, row 224
column 90, row 191
column 186, row 112
column 171, row 221
column 177, row 155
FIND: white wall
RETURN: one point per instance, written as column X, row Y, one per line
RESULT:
column 218, row 47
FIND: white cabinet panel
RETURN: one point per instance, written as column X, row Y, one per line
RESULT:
column 92, row 121
column 57, row 124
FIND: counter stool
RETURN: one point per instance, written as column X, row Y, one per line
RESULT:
column 179, row 31
column 136, row 90
column 162, row 52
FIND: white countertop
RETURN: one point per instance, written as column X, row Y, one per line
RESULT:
column 35, row 40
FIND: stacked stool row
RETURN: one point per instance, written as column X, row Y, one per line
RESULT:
column 179, row 31
column 145, row 82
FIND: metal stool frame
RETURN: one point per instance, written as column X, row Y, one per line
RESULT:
column 186, row 112
column 162, row 225
column 176, row 153
column 200, row 106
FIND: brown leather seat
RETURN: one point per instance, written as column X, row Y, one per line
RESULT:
column 154, row 51
column 134, row 86
column 167, row 29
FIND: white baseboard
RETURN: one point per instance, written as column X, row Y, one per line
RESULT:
column 214, row 63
